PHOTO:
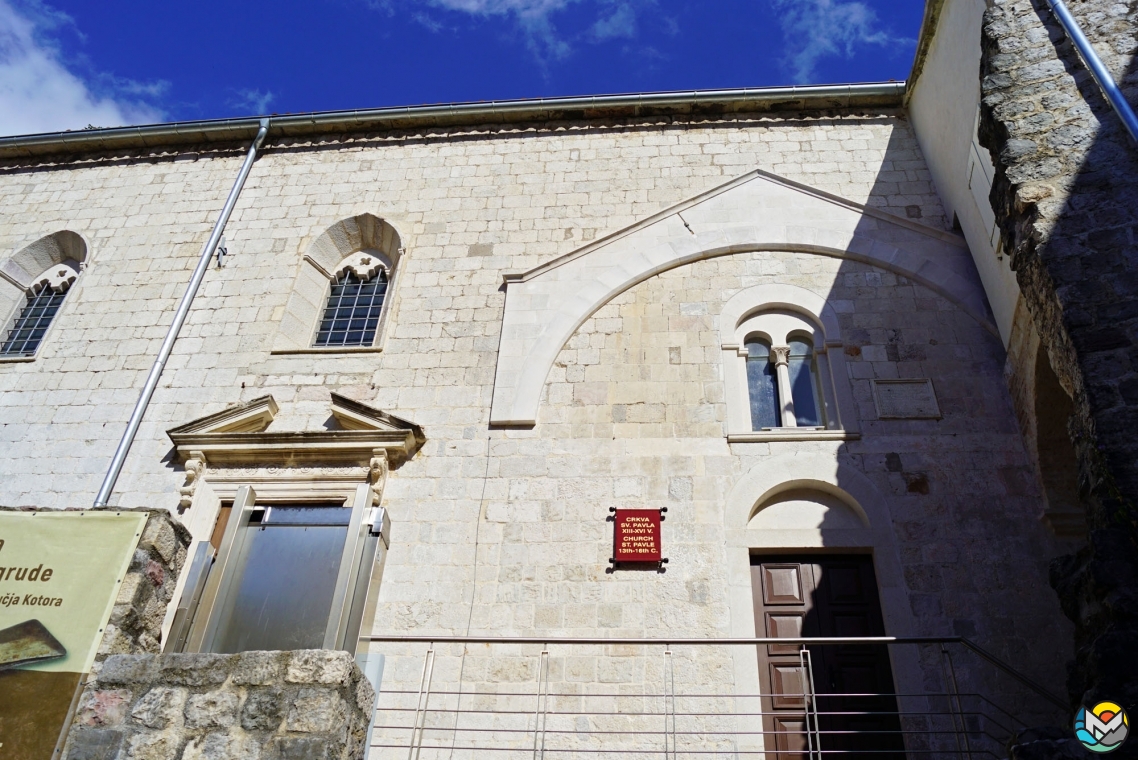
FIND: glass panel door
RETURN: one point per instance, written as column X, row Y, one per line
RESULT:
column 284, row 579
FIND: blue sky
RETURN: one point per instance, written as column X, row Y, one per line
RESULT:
column 68, row 63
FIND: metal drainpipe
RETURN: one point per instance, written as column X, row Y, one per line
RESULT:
column 1091, row 60
column 179, row 319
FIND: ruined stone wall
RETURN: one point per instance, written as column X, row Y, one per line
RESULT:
column 1067, row 180
column 302, row 705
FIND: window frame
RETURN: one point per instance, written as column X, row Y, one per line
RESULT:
column 358, row 564
column 343, row 273
column 67, row 252
column 777, row 312
column 338, row 247
column 31, row 296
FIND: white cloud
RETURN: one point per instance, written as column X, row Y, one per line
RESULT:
column 252, row 101
column 816, row 29
column 615, row 19
column 39, row 94
column 620, row 24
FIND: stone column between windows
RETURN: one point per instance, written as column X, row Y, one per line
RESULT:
column 781, row 357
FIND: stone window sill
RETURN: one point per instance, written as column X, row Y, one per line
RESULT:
column 328, row 350
column 793, row 434
column 16, row 359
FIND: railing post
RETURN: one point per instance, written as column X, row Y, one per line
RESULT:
column 421, row 703
column 813, row 740
column 954, row 698
column 541, row 711
column 669, row 695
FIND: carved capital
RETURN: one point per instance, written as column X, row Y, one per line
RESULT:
column 377, row 475
column 195, row 467
column 780, row 355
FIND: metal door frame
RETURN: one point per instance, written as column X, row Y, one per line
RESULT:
column 356, row 580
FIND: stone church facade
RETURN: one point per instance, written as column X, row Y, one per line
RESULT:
column 582, row 309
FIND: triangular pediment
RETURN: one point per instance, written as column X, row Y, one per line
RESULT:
column 764, row 193
column 250, row 417
column 353, row 415
column 239, row 434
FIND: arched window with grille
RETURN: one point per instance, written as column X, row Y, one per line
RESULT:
column 36, row 283
column 342, row 298
column 354, row 307
column 27, row 331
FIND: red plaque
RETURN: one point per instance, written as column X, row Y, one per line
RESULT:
column 637, row 536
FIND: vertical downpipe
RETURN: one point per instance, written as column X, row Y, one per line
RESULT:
column 183, row 311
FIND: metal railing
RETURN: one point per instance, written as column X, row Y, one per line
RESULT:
column 555, row 697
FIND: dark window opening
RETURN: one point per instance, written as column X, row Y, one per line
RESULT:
column 762, row 386
column 352, row 314
column 27, row 332
column 803, row 383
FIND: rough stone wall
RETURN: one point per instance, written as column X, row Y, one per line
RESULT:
column 302, row 705
column 1067, row 177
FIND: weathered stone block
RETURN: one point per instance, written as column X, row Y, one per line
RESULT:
column 196, row 669
column 215, row 709
column 263, row 709
column 159, row 707
column 126, row 669
column 302, row 748
column 107, row 707
column 259, row 668
column 316, row 711
column 319, row 666
column 153, row 746
column 98, row 744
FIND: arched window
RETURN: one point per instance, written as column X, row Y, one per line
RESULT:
column 342, row 295
column 762, row 384
column 34, row 284
column 25, row 334
column 803, row 372
column 784, row 371
column 352, row 313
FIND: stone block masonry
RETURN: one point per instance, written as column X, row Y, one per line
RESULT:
column 300, row 705
column 1065, row 191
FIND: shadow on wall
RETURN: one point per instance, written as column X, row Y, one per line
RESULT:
column 965, row 502
column 1064, row 195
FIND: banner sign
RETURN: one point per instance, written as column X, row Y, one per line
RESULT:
column 636, row 537
column 60, row 573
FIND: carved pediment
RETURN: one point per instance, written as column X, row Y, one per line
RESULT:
column 252, row 416
column 239, row 434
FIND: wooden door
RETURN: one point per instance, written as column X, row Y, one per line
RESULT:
column 824, row 596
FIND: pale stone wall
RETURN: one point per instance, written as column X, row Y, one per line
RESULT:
column 503, row 531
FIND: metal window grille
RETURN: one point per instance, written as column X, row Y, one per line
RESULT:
column 25, row 336
column 352, row 315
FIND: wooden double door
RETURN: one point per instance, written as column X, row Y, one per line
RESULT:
column 824, row 596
